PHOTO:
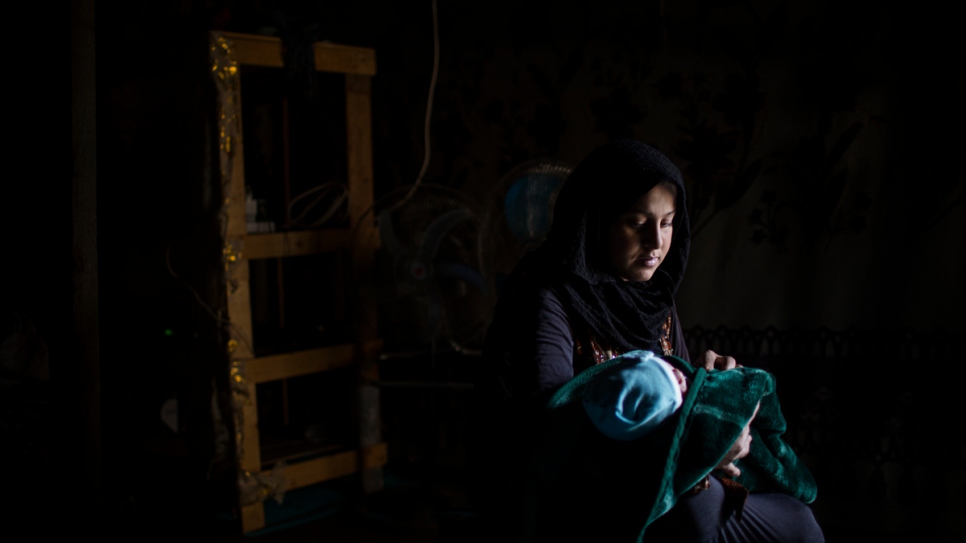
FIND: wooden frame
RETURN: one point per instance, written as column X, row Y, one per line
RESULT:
column 228, row 53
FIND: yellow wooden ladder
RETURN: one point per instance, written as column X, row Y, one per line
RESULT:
column 229, row 53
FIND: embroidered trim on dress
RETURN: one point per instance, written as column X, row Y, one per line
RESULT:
column 666, row 336
column 601, row 354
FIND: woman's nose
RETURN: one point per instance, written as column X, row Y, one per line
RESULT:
column 651, row 236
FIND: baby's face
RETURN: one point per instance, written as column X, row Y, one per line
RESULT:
column 679, row 377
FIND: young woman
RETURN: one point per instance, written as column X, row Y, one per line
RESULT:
column 602, row 284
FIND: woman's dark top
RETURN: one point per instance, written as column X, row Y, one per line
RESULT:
column 542, row 351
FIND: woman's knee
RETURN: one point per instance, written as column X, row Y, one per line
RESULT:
column 773, row 517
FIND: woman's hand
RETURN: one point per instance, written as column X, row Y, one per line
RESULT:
column 740, row 449
column 711, row 360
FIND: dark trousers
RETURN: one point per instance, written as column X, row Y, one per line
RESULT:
column 765, row 517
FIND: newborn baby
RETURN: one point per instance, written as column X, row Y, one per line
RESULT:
column 640, row 393
column 630, row 402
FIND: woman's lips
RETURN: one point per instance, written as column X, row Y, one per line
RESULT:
column 648, row 261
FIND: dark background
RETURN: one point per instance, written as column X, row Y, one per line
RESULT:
column 821, row 144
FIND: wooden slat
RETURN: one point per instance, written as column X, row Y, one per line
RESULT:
column 251, row 452
column 359, row 164
column 283, row 366
column 287, row 365
column 293, row 451
column 310, row 472
column 240, row 309
column 322, row 469
column 300, row 243
column 334, row 466
column 375, row 456
column 266, row 51
column 252, row 517
column 237, row 219
column 358, row 104
column 346, row 59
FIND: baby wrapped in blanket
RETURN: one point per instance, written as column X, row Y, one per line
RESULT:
column 661, row 426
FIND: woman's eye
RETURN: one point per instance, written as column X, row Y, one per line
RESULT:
column 667, row 224
column 632, row 222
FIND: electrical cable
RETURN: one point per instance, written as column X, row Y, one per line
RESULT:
column 429, row 107
column 325, row 188
column 426, row 141
column 426, row 131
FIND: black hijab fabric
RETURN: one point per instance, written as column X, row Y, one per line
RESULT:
column 624, row 315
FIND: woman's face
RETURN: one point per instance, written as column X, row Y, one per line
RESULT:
column 639, row 239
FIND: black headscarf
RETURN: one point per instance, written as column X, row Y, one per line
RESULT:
column 624, row 315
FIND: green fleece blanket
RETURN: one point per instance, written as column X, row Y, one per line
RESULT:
column 717, row 406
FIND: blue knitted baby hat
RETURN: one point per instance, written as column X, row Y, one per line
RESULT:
column 633, row 397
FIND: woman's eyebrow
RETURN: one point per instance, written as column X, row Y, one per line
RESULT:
column 643, row 212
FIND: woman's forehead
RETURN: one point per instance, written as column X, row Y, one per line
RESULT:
column 659, row 201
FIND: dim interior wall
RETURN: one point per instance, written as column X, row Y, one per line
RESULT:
column 824, row 185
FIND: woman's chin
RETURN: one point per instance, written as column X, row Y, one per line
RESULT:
column 639, row 275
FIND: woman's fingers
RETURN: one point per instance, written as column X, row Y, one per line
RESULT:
column 740, row 449
column 742, row 444
column 712, row 360
column 730, row 470
column 707, row 360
